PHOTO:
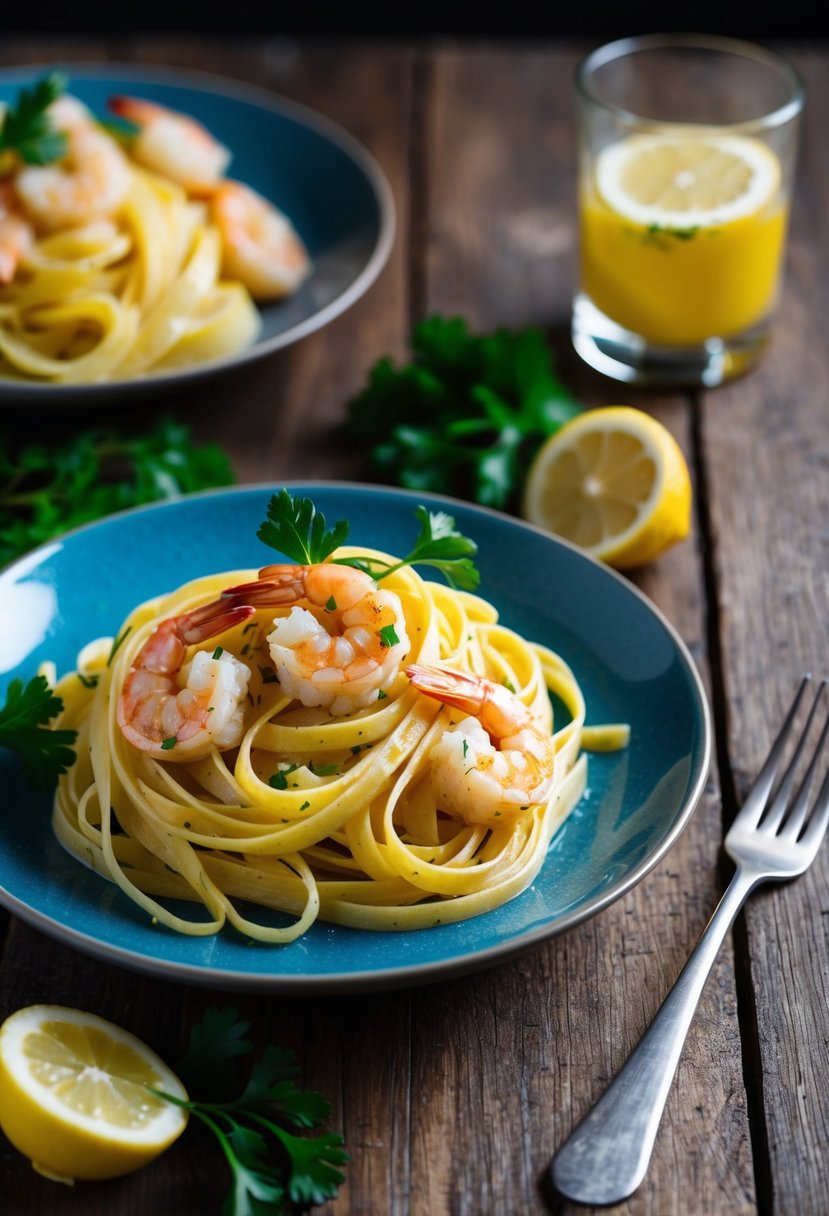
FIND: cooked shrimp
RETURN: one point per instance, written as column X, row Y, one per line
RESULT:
column 260, row 247
column 16, row 234
column 173, row 144
column 341, row 650
column 90, row 183
column 177, row 712
column 492, row 766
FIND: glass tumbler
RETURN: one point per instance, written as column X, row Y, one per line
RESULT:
column 687, row 147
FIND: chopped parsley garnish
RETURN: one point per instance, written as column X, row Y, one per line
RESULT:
column 381, row 694
column 323, row 770
column 305, row 806
column 388, row 636
column 168, row 743
column 330, row 604
column 679, row 234
column 25, row 730
column 267, row 675
column 279, row 779
column 218, row 652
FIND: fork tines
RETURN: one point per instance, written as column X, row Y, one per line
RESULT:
column 781, row 815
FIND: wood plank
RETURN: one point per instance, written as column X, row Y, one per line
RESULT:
column 767, row 452
column 512, row 1058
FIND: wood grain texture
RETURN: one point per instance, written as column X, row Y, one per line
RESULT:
column 767, row 453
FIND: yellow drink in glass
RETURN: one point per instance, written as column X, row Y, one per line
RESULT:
column 686, row 149
column 679, row 274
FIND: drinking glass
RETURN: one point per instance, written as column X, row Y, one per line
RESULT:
column 687, row 147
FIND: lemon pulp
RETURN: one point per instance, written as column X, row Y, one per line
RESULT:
column 682, row 235
column 614, row 482
column 74, row 1096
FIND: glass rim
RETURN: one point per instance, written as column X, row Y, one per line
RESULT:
column 611, row 51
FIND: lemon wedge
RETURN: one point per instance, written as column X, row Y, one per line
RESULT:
column 613, row 481
column 74, row 1097
column 687, row 180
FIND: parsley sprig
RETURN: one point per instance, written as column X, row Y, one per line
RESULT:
column 438, row 544
column 26, row 129
column 24, row 729
column 272, row 1167
column 298, row 530
column 466, row 415
column 46, row 489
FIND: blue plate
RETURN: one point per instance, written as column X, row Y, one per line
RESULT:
column 631, row 664
column 321, row 177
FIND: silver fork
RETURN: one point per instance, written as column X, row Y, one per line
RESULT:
column 774, row 837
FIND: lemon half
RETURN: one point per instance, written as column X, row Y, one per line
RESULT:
column 613, row 481
column 687, row 180
column 74, row 1097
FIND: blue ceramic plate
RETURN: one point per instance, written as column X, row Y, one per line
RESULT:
column 629, row 661
column 329, row 185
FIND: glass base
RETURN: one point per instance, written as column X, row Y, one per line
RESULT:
column 625, row 356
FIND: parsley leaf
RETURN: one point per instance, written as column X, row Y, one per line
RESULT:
column 439, row 545
column 215, row 1043
column 270, row 1165
column 314, row 1161
column 465, row 416
column 47, row 489
column 24, row 729
column 26, row 128
column 296, row 528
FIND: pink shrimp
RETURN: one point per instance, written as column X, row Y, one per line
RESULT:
column 341, row 649
column 260, row 247
column 492, row 766
column 174, row 712
column 89, row 183
column 16, row 234
column 172, row 144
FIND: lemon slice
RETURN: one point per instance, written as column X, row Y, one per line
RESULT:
column 74, row 1097
column 691, row 180
column 613, row 481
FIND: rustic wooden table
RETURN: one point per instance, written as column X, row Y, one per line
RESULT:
column 453, row 1097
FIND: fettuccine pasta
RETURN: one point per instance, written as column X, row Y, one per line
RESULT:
column 311, row 814
column 136, row 256
column 111, row 301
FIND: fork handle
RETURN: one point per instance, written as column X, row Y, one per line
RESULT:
column 605, row 1158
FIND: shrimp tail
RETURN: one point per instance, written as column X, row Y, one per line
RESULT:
column 133, row 109
column 284, row 585
column 211, row 620
column 455, row 688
